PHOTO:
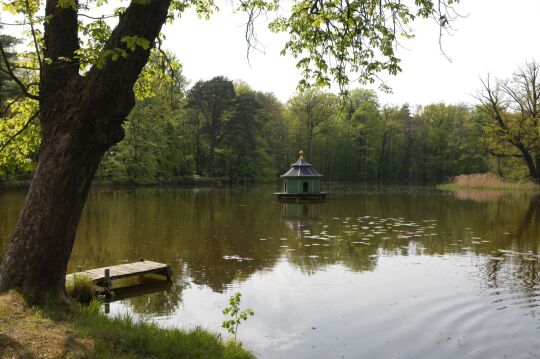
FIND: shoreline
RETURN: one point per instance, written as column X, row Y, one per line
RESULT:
column 85, row 332
column 507, row 187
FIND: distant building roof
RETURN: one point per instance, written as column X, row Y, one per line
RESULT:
column 302, row 168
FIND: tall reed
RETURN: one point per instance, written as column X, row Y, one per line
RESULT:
column 486, row 181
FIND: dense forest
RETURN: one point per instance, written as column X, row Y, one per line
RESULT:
column 180, row 132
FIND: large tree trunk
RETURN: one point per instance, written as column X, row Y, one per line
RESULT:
column 530, row 162
column 80, row 117
column 537, row 167
column 41, row 245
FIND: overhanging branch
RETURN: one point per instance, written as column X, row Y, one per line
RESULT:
column 504, row 155
column 140, row 20
column 19, row 132
column 9, row 71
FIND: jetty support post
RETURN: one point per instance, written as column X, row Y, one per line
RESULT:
column 168, row 273
column 107, row 278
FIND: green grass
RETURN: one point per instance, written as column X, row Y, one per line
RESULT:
column 81, row 288
column 122, row 337
column 82, row 331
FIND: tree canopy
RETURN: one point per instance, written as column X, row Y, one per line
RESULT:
column 331, row 40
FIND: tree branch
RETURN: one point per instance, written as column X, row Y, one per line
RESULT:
column 174, row 74
column 9, row 71
column 140, row 20
column 33, row 31
column 18, row 133
column 5, row 109
column 503, row 155
column 102, row 17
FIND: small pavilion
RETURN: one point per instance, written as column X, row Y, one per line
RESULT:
column 302, row 181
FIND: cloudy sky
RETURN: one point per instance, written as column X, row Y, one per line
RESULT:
column 495, row 37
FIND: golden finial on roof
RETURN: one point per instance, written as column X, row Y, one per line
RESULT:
column 301, row 155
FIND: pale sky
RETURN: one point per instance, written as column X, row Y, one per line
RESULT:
column 495, row 37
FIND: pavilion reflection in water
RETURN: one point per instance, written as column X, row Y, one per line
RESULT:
column 301, row 216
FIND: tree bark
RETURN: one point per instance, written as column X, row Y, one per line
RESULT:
column 537, row 165
column 198, row 168
column 310, row 139
column 80, row 118
column 212, row 154
column 530, row 162
column 381, row 170
column 40, row 247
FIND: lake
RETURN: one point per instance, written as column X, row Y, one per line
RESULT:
column 374, row 272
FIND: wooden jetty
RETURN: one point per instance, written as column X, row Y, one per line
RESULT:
column 102, row 277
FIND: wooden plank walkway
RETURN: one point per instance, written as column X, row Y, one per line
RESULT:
column 103, row 276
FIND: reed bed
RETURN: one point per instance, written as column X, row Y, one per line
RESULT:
column 487, row 181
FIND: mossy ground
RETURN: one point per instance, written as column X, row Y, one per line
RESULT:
column 83, row 332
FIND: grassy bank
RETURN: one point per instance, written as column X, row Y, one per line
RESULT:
column 486, row 181
column 84, row 332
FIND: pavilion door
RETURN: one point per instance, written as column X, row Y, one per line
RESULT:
column 306, row 187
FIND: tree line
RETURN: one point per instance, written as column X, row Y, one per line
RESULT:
column 224, row 129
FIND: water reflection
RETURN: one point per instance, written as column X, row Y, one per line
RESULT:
column 217, row 237
column 300, row 217
column 480, row 196
column 459, row 263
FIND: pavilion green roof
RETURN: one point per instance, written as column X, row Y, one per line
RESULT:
column 301, row 168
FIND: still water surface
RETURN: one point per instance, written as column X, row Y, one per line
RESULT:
column 375, row 272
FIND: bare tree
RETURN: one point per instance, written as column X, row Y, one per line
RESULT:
column 511, row 110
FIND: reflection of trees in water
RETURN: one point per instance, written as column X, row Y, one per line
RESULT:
column 530, row 225
column 197, row 228
column 160, row 298
column 321, row 253
column 194, row 230
column 520, row 268
column 227, row 225
column 479, row 196
column 10, row 207
column 314, row 258
column 300, row 217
